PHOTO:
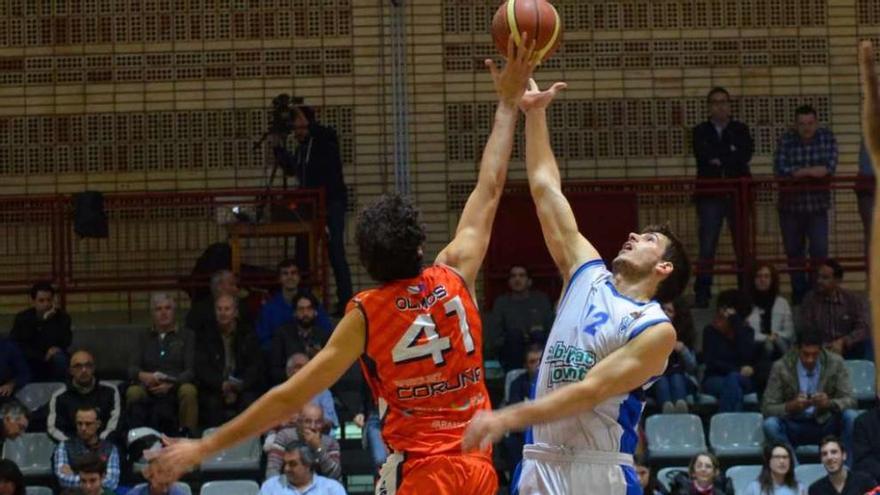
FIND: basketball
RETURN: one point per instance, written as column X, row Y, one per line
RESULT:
column 538, row 18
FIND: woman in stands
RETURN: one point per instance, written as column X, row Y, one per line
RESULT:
column 777, row 473
column 704, row 478
column 771, row 319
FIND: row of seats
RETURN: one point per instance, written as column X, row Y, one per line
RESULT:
column 236, row 487
column 741, row 476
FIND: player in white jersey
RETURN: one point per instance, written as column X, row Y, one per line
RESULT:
column 609, row 341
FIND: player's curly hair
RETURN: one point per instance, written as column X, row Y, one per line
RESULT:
column 389, row 236
column 674, row 284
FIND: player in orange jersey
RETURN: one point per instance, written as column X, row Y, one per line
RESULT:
column 418, row 335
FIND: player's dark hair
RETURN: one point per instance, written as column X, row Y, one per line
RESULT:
column 674, row 284
column 389, row 236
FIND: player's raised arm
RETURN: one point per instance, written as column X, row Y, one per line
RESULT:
column 345, row 346
column 567, row 246
column 871, row 131
column 468, row 248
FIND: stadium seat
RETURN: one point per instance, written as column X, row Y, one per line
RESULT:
column 36, row 395
column 807, row 451
column 180, row 486
column 238, row 487
column 861, row 374
column 667, row 474
column 806, row 474
column 751, row 401
column 243, row 457
column 736, row 434
column 508, row 381
column 701, row 400
column 133, row 436
column 38, row 490
column 741, row 476
column 32, row 452
column 674, row 436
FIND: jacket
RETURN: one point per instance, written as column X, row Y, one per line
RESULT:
column 782, row 386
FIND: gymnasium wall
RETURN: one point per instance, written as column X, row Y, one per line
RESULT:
column 148, row 95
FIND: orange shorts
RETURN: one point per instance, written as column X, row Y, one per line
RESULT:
column 457, row 474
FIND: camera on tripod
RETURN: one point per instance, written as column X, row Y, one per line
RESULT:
column 283, row 113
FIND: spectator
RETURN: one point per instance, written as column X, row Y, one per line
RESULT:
column 83, row 390
column 728, row 351
column 777, row 473
column 300, row 476
column 162, row 395
column 840, row 480
column 11, row 479
column 649, row 484
column 15, row 419
column 280, row 309
column 201, row 313
column 228, row 365
column 368, row 421
column 316, row 163
column 14, row 370
column 70, row 454
column 159, row 482
column 300, row 335
column 671, row 389
column 703, row 478
column 520, row 391
column 838, row 315
column 865, row 191
column 43, row 334
column 91, row 477
column 723, row 148
column 808, row 155
column 324, row 398
column 519, row 318
column 309, row 430
column 770, row 318
column 808, row 396
column 866, row 442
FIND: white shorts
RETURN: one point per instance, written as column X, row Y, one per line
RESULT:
column 548, row 472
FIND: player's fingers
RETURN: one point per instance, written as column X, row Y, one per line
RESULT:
column 557, row 87
column 533, row 86
column 493, row 69
column 511, row 50
column 523, row 49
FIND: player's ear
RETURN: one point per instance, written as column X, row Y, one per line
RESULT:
column 664, row 268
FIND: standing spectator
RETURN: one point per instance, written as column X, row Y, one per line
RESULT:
column 280, row 309
column 703, row 478
column 518, row 319
column 838, row 315
column 316, row 163
column 520, row 391
column 43, row 334
column 91, row 477
column 300, row 476
column 777, row 473
column 808, row 396
column 840, row 480
column 671, row 389
column 15, row 419
column 201, row 313
column 228, row 365
column 11, row 479
column 83, row 390
column 728, row 352
column 70, row 454
column 309, row 430
column 808, row 155
column 866, row 186
column 14, row 370
column 723, row 148
column 162, row 370
column 866, row 442
column 771, row 319
column 300, row 335
column 296, row 362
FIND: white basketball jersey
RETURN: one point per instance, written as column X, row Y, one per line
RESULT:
column 592, row 321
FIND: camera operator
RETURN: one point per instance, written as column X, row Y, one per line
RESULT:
column 316, row 163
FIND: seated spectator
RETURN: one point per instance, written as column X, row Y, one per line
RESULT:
column 324, row 399
column 11, row 479
column 70, row 454
column 520, row 391
column 649, row 484
column 728, row 351
column 809, row 396
column 162, row 395
column 838, row 315
column 300, row 476
column 368, row 421
column 15, row 419
column 703, row 478
column 840, row 480
column 201, row 312
column 279, row 309
column 309, row 431
column 519, row 318
column 770, row 319
column 14, row 370
column 777, row 473
column 671, row 389
column 300, row 335
column 866, row 442
column 91, row 477
column 159, row 481
column 83, row 390
column 43, row 334
column 229, row 365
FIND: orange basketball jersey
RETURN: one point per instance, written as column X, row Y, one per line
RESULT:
column 423, row 360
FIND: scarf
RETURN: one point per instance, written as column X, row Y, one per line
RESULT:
column 764, row 300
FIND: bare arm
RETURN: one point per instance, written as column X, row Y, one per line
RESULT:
column 871, row 130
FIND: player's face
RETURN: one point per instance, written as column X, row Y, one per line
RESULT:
column 780, row 461
column 288, row 277
column 763, row 279
column 704, row 470
column 832, row 457
column 642, row 252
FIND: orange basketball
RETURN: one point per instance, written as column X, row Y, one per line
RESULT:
column 538, row 18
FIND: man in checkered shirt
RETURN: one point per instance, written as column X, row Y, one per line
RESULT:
column 808, row 155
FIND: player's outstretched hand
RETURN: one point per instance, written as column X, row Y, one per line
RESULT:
column 871, row 106
column 535, row 99
column 179, row 455
column 485, row 429
column 510, row 83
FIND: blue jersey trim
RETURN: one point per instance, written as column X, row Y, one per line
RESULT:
column 632, row 480
column 628, row 419
column 644, row 326
column 621, row 296
column 597, row 261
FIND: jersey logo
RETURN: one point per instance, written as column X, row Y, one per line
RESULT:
column 568, row 363
column 627, row 320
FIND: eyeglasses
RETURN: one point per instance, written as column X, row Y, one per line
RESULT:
column 82, row 366
column 780, row 456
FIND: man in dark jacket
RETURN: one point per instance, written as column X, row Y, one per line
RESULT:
column 723, row 148
column 43, row 334
column 229, row 365
column 301, row 335
column 83, row 390
column 729, row 352
column 866, row 442
column 14, row 370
